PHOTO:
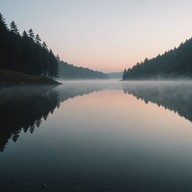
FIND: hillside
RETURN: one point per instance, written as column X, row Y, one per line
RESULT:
column 69, row 71
column 24, row 53
column 176, row 63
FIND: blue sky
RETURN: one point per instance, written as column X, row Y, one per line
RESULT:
column 106, row 35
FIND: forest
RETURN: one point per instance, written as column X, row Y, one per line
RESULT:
column 69, row 71
column 25, row 53
column 176, row 63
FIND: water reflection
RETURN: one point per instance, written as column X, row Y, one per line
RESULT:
column 175, row 96
column 71, row 89
column 105, row 141
column 24, row 108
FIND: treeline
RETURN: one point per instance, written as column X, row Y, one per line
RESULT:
column 176, row 63
column 25, row 53
column 69, row 71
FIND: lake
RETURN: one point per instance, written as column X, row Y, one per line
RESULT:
column 88, row 136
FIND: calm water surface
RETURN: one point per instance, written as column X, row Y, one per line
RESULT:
column 86, row 136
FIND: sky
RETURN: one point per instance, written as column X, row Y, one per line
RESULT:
column 104, row 35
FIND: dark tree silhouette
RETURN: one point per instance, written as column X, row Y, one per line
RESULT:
column 3, row 41
column 25, row 53
column 3, row 25
column 37, row 39
column 31, row 34
column 124, row 74
column 172, row 64
column 13, row 28
column 44, row 45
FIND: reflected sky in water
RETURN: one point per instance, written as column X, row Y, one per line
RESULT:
column 99, row 136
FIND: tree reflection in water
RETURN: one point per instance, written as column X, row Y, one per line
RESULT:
column 175, row 96
column 24, row 109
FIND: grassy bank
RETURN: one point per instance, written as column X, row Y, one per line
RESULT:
column 8, row 78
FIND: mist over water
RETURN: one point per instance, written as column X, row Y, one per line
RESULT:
column 173, row 95
column 97, row 136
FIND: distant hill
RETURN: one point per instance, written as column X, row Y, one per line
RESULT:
column 69, row 71
column 115, row 75
column 176, row 63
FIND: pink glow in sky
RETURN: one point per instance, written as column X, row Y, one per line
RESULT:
column 105, row 35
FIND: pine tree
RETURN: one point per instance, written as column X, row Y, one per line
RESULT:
column 25, row 53
column 13, row 28
column 38, row 39
column 3, row 42
column 44, row 45
column 124, row 74
column 3, row 26
column 31, row 34
column 58, row 58
column 24, row 35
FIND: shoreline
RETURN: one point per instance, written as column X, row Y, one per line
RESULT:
column 13, row 78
